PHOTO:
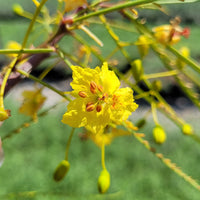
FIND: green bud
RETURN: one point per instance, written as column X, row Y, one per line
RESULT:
column 141, row 123
column 137, row 69
column 157, row 85
column 61, row 170
column 187, row 129
column 159, row 134
column 104, row 181
column 17, row 8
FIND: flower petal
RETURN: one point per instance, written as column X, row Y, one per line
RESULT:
column 109, row 80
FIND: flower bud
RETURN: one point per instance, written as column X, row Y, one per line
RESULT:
column 17, row 8
column 4, row 114
column 159, row 134
column 137, row 69
column 186, row 53
column 104, row 181
column 141, row 123
column 187, row 129
column 143, row 45
column 157, row 85
column 61, row 170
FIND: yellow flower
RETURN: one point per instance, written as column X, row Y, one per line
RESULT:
column 170, row 33
column 73, row 4
column 33, row 100
column 98, row 99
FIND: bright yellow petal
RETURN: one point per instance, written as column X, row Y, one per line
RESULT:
column 123, row 104
column 75, row 115
column 82, row 77
column 109, row 80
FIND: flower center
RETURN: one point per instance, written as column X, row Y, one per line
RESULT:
column 96, row 92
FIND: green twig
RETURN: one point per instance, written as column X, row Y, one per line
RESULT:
column 113, row 8
column 43, row 83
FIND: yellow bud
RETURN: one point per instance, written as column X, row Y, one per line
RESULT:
column 104, row 181
column 187, row 129
column 159, row 134
column 186, row 53
column 143, row 45
column 61, row 170
column 137, row 69
column 13, row 45
column 4, row 114
column 17, row 8
column 157, row 85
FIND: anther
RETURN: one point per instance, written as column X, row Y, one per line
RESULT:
column 100, row 88
column 82, row 94
column 93, row 87
column 90, row 107
column 99, row 108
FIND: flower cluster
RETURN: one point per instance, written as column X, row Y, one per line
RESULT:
column 98, row 99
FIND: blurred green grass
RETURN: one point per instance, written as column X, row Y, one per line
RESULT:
column 32, row 156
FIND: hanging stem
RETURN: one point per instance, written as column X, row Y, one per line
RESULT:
column 68, row 143
column 154, row 113
column 103, row 156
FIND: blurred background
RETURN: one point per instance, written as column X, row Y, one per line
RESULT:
column 32, row 156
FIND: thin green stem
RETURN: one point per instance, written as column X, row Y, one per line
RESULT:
column 30, row 51
column 161, row 74
column 43, row 83
column 189, row 61
column 38, row 9
column 103, row 156
column 3, row 85
column 47, row 70
column 154, row 113
column 62, row 55
column 68, row 143
column 114, row 8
